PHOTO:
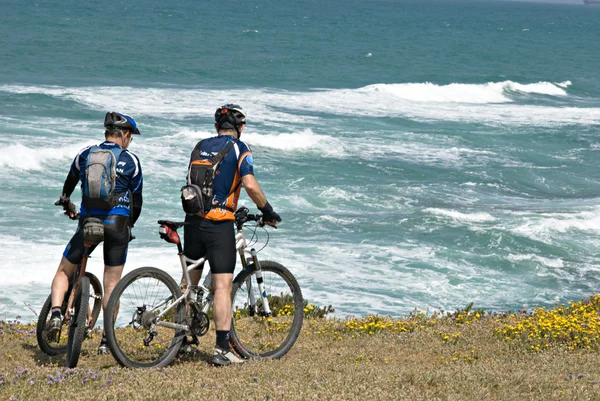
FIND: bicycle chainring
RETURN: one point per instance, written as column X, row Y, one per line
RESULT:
column 200, row 324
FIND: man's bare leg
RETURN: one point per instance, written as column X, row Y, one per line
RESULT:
column 112, row 275
column 222, row 285
column 60, row 283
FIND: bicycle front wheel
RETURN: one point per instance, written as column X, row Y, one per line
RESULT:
column 256, row 334
column 78, row 323
column 140, row 302
column 53, row 347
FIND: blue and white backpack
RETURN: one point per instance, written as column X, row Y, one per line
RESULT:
column 98, row 187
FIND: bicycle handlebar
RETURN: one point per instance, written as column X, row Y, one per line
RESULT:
column 242, row 216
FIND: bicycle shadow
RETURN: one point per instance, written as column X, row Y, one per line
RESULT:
column 196, row 355
column 41, row 358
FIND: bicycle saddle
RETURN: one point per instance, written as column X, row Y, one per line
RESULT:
column 172, row 224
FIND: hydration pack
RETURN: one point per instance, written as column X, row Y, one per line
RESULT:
column 197, row 195
column 98, row 187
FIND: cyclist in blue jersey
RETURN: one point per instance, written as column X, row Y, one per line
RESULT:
column 212, row 234
column 117, row 219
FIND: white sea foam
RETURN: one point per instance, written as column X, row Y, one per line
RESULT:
column 336, row 193
column 428, row 92
column 480, row 217
column 542, row 88
column 557, row 263
column 414, row 273
column 344, row 274
column 426, row 153
column 357, row 272
column 20, row 157
column 338, row 220
column 492, row 92
column 491, row 103
column 305, row 140
column 545, row 226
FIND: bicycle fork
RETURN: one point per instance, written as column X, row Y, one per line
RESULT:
column 70, row 309
column 261, row 288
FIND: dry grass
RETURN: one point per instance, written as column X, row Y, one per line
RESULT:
column 467, row 355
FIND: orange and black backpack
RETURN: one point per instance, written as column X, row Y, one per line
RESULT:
column 197, row 195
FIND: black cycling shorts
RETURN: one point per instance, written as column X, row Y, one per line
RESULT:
column 213, row 239
column 116, row 241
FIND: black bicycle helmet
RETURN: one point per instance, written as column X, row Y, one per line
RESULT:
column 120, row 121
column 230, row 116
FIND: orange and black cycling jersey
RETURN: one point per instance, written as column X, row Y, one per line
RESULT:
column 227, row 185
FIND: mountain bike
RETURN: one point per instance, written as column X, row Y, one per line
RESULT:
column 148, row 315
column 80, row 308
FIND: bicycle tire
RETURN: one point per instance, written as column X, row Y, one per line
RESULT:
column 41, row 333
column 247, row 343
column 78, row 323
column 119, row 339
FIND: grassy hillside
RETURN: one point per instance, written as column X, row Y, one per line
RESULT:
column 464, row 355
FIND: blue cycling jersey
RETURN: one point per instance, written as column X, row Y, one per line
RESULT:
column 129, row 179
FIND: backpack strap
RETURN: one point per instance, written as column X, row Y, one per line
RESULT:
column 215, row 160
column 115, row 197
column 117, row 154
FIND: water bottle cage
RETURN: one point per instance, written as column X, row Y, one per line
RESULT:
column 169, row 235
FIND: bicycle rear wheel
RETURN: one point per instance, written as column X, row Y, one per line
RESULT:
column 49, row 346
column 131, row 319
column 53, row 348
column 78, row 323
column 254, row 334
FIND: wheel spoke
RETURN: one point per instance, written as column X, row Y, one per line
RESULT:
column 267, row 335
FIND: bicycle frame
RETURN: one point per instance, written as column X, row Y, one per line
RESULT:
column 82, row 266
column 191, row 291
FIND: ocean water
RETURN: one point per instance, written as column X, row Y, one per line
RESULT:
column 422, row 154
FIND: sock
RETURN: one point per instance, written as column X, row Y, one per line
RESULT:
column 55, row 312
column 103, row 340
column 223, row 339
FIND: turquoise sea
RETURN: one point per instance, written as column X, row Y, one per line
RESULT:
column 421, row 153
